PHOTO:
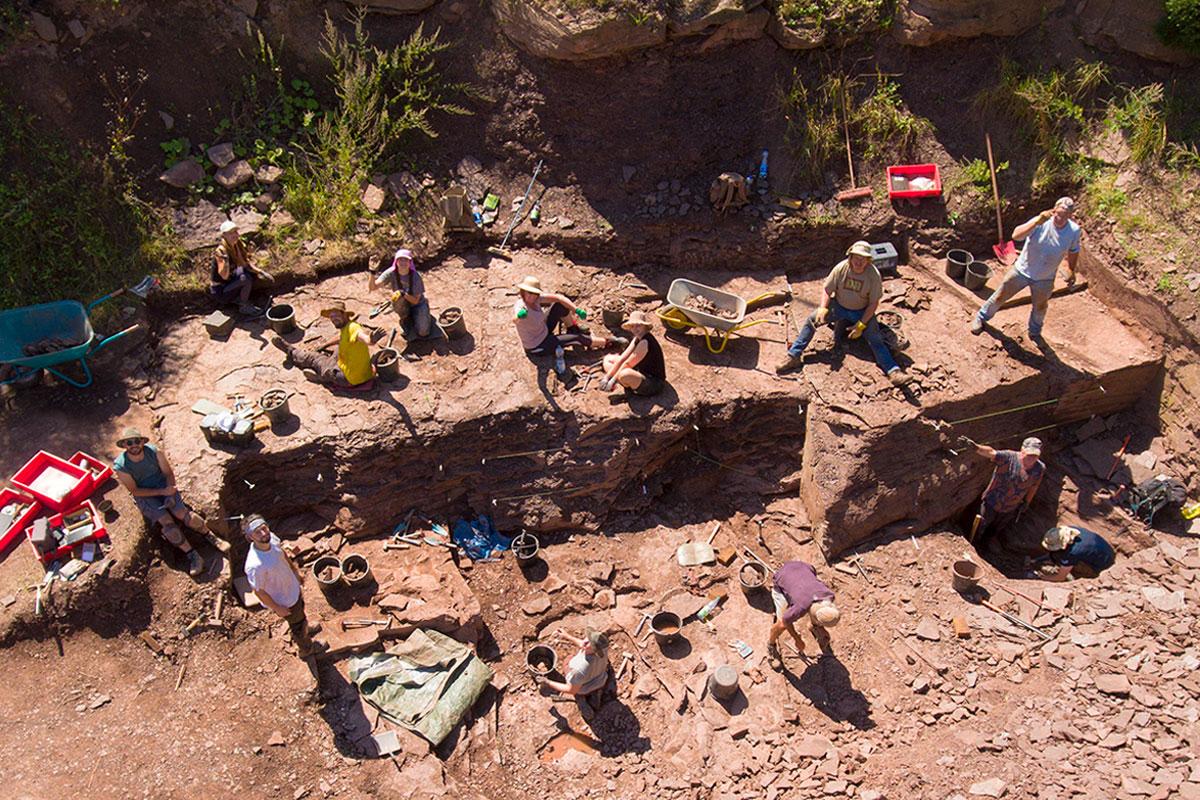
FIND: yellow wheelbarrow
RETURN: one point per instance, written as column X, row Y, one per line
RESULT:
column 680, row 312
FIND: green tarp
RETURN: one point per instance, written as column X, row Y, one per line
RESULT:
column 425, row 683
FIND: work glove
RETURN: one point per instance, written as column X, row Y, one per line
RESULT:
column 579, row 312
column 522, row 313
column 821, row 315
column 607, row 384
column 858, row 329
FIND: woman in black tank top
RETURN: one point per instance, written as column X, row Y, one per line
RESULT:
column 641, row 368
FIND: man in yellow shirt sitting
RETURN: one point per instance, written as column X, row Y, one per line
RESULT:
column 351, row 368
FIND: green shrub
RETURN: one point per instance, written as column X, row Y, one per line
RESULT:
column 1180, row 24
column 884, row 126
column 835, row 16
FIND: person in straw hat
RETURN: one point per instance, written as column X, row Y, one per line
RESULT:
column 587, row 671
column 350, row 368
column 850, row 297
column 639, row 367
column 1077, row 552
column 231, row 278
column 536, row 326
column 144, row 471
column 798, row 591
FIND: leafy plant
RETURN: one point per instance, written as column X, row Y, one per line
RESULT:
column 1180, row 24
column 836, row 16
column 1140, row 116
column 174, row 150
column 1165, row 283
column 813, row 132
column 884, row 125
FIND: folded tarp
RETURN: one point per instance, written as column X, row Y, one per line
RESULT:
column 425, row 683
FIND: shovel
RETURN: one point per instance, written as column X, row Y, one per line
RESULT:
column 1006, row 251
column 694, row 553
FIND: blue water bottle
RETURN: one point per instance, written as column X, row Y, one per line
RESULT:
column 762, row 167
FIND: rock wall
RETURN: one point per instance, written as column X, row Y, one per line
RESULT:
column 1128, row 25
column 925, row 22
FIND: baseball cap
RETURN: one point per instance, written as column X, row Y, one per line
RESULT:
column 1032, row 445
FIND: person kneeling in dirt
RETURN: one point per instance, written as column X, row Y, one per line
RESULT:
column 350, row 368
column 232, row 277
column 640, row 368
column 408, row 294
column 850, row 297
column 535, row 325
column 145, row 472
column 275, row 580
column 798, row 590
column 1077, row 552
column 1014, row 483
column 587, row 671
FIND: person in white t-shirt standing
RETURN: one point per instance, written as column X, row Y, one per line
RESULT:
column 1048, row 237
column 276, row 581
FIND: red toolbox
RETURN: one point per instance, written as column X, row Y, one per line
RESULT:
column 99, row 470
column 98, row 531
column 57, row 483
column 900, row 175
column 19, row 521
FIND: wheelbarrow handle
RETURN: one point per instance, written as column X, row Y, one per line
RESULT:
column 116, row 336
column 108, row 296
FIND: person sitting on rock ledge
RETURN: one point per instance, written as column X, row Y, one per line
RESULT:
column 1077, row 552
column 232, row 277
column 408, row 294
column 276, row 581
column 640, row 368
column 350, row 368
column 850, row 297
column 535, row 326
column 587, row 671
column 145, row 472
column 797, row 590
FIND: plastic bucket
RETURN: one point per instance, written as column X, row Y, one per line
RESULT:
column 977, row 275
column 356, row 570
column 387, row 364
column 612, row 317
column 541, row 660
column 956, row 263
column 965, row 575
column 526, row 548
column 282, row 318
column 274, row 403
column 752, row 576
column 666, row 626
column 327, row 571
column 452, row 322
column 723, row 682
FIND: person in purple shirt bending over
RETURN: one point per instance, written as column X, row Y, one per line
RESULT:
column 798, row 591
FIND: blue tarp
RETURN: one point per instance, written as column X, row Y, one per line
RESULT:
column 479, row 538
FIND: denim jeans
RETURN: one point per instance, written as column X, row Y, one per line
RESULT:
column 873, row 334
column 1014, row 282
column 420, row 321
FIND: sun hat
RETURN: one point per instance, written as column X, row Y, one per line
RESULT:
column 1059, row 538
column 598, row 640
column 530, row 284
column 403, row 252
column 130, row 433
column 228, row 225
column 1065, row 202
column 859, row 248
column 824, row 613
column 1032, row 445
column 340, row 307
column 637, row 317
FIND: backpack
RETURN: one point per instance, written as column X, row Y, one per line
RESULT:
column 728, row 191
column 1150, row 496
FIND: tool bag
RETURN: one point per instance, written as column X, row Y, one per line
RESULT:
column 728, row 191
column 1149, row 497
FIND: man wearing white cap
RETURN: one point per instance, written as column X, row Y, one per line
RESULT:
column 1048, row 237
column 1015, row 481
column 408, row 293
column 231, row 278
column 275, row 580
column 850, row 296
column 798, row 591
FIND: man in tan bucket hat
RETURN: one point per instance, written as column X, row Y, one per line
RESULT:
column 640, row 367
column 351, row 368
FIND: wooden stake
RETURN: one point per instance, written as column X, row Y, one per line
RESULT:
column 179, row 679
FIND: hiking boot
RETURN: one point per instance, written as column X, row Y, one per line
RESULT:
column 311, row 374
column 899, row 378
column 249, row 310
column 195, row 563
column 279, row 342
column 219, row 543
column 774, row 659
column 619, row 341
column 788, row 364
column 314, row 628
column 977, row 326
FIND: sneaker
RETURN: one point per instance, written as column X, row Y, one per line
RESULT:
column 219, row 543
column 774, row 659
column 898, row 377
column 279, row 342
column 250, row 311
column 619, row 341
column 312, row 375
column 195, row 563
column 977, row 326
column 788, row 364
column 314, row 628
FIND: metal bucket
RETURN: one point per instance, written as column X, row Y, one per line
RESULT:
column 541, row 660
column 356, row 570
column 612, row 317
column 723, row 682
column 327, row 571
column 666, row 626
column 977, row 275
column 282, row 318
column 526, row 548
column 274, row 403
column 451, row 321
column 752, row 576
column 956, row 263
column 387, row 363
column 965, row 575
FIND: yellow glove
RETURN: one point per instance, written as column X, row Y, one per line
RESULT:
column 395, row 296
column 858, row 329
column 821, row 315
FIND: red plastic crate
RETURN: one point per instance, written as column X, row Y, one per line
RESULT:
column 99, row 470
column 98, row 532
column 911, row 171
column 29, row 473
column 19, row 524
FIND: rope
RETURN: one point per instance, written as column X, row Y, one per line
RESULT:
column 1001, row 413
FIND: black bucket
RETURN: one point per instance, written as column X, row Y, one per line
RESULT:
column 977, row 275
column 452, row 322
column 541, row 660
column 282, row 318
column 956, row 263
column 526, row 548
column 387, row 364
